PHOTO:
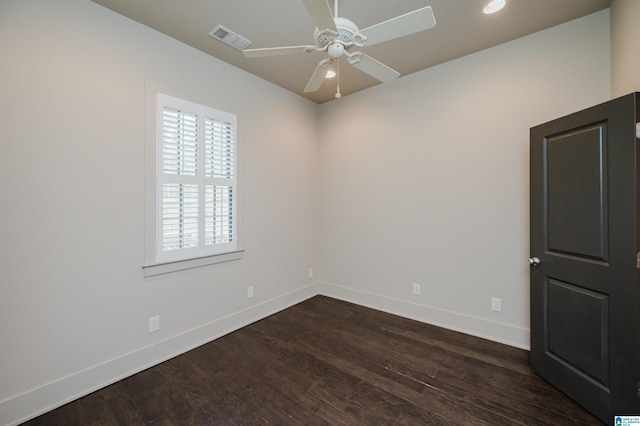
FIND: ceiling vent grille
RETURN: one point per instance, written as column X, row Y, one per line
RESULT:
column 227, row 36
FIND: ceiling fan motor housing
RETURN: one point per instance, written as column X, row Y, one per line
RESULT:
column 347, row 31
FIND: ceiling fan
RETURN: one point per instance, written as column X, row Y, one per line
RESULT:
column 340, row 37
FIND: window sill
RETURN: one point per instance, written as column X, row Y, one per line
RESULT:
column 181, row 265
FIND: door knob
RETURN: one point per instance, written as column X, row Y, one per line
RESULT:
column 534, row 261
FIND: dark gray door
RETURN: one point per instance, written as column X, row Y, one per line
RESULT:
column 585, row 322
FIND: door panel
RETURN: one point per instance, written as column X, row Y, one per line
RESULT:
column 576, row 189
column 585, row 325
column 579, row 340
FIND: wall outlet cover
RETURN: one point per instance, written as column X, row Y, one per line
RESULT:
column 416, row 288
column 154, row 324
column 496, row 304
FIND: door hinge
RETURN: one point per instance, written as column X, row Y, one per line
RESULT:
column 638, row 266
column 638, row 130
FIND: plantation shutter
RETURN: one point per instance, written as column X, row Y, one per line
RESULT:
column 196, row 180
column 220, row 163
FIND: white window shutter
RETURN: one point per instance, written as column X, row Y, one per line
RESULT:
column 179, row 142
column 197, row 182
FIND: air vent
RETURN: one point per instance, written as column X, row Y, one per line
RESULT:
column 227, row 36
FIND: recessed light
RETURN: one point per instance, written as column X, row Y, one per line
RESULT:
column 494, row 6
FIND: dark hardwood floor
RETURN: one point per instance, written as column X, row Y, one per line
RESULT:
column 324, row 361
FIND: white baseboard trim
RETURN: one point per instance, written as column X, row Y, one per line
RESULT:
column 32, row 403
column 479, row 327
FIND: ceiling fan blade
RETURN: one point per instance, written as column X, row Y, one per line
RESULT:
column 374, row 68
column 276, row 51
column 321, row 14
column 318, row 76
column 400, row 26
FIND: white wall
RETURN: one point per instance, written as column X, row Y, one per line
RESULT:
column 426, row 179
column 625, row 49
column 77, row 84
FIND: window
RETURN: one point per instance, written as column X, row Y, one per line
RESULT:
column 196, row 185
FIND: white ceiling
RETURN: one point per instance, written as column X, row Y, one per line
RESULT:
column 461, row 29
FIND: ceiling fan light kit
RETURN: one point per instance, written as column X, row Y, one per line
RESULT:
column 338, row 36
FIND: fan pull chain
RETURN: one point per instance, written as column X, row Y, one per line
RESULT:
column 338, row 94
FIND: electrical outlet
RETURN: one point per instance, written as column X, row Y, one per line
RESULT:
column 496, row 304
column 249, row 292
column 154, row 324
column 310, row 272
column 416, row 288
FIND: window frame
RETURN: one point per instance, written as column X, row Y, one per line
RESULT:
column 203, row 254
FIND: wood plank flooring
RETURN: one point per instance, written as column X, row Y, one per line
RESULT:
column 329, row 362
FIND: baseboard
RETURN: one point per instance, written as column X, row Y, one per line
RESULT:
column 32, row 403
column 479, row 327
